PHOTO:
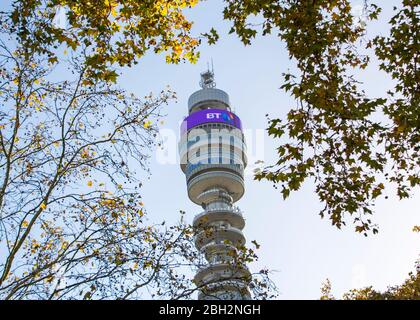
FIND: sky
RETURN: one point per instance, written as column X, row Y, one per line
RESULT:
column 301, row 248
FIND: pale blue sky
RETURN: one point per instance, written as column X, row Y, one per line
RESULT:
column 295, row 241
column 304, row 249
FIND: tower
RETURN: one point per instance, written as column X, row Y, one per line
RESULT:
column 213, row 157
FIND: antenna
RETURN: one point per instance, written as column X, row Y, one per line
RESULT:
column 207, row 77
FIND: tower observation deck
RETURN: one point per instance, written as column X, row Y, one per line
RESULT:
column 213, row 157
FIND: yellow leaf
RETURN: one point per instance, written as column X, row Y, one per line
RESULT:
column 147, row 124
column 64, row 245
column 89, row 183
column 25, row 223
column 178, row 49
column 43, row 206
column 85, row 153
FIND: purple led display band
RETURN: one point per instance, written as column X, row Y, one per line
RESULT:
column 210, row 116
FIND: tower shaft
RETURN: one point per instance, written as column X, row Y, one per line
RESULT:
column 213, row 157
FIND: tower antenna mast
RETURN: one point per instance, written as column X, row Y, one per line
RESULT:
column 207, row 78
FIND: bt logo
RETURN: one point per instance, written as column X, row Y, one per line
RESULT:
column 228, row 117
column 213, row 115
column 225, row 116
